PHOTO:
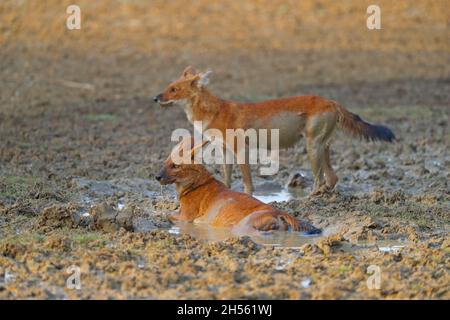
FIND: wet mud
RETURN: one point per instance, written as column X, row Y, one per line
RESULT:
column 81, row 142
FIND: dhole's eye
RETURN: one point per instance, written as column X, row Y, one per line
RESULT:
column 173, row 90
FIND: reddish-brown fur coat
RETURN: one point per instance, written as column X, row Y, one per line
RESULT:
column 312, row 117
column 204, row 198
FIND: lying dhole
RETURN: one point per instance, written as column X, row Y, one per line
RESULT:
column 204, row 198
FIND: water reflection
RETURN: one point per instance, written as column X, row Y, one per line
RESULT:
column 203, row 231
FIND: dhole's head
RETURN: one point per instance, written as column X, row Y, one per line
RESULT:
column 184, row 174
column 184, row 88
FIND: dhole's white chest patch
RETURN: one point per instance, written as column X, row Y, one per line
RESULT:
column 186, row 104
column 187, row 107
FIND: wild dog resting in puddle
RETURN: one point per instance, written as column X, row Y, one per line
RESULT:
column 311, row 116
column 203, row 198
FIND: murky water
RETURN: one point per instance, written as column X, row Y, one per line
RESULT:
column 266, row 191
column 280, row 239
column 385, row 246
column 206, row 232
column 270, row 197
column 270, row 191
column 120, row 204
column 391, row 249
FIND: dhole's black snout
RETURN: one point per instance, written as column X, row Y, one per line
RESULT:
column 157, row 98
column 161, row 176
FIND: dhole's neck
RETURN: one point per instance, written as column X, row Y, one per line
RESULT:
column 204, row 105
column 193, row 197
column 185, row 189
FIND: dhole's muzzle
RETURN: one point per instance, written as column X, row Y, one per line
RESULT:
column 163, row 178
column 160, row 99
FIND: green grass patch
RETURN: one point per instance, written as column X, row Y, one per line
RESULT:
column 87, row 238
column 15, row 187
column 30, row 188
column 24, row 239
column 343, row 269
column 105, row 117
column 25, row 145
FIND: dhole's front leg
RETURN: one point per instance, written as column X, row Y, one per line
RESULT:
column 226, row 171
column 179, row 216
column 174, row 216
column 247, row 178
column 246, row 172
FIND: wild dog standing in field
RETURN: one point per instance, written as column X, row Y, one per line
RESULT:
column 204, row 198
column 313, row 117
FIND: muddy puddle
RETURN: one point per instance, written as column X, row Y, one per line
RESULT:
column 269, row 191
column 204, row 232
column 141, row 205
column 120, row 195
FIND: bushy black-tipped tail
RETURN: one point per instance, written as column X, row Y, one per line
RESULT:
column 354, row 124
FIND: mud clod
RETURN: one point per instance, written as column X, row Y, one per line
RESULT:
column 330, row 244
column 108, row 219
column 57, row 216
column 57, row 242
column 12, row 250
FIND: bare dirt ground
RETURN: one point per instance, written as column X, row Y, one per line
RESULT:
column 81, row 141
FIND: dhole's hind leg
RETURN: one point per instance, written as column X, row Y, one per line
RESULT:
column 319, row 131
column 330, row 176
column 260, row 221
column 315, row 154
column 271, row 221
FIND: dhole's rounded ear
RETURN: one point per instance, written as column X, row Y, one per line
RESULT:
column 204, row 78
column 201, row 79
column 189, row 71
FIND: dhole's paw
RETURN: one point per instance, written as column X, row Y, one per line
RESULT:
column 174, row 217
column 249, row 190
column 321, row 191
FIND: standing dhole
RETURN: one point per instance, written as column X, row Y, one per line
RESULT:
column 204, row 198
column 313, row 117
